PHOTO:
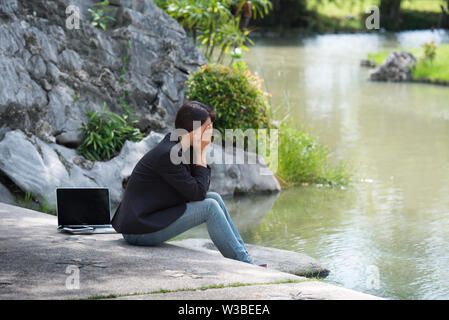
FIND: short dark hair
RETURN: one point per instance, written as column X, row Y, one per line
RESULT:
column 193, row 111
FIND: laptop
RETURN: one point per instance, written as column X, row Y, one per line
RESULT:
column 83, row 210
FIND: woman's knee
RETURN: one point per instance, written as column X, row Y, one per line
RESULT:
column 214, row 195
column 213, row 207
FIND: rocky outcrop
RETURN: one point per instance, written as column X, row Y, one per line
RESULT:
column 397, row 67
column 52, row 75
column 5, row 195
column 40, row 167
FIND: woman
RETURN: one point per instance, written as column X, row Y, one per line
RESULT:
column 164, row 199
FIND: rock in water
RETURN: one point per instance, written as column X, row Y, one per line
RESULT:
column 397, row 67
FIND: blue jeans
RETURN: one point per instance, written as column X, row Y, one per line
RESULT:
column 211, row 210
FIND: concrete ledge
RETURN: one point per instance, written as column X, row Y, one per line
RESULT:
column 35, row 258
column 306, row 290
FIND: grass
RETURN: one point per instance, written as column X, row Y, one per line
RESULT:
column 28, row 201
column 342, row 8
column 213, row 286
column 348, row 16
column 303, row 160
column 438, row 69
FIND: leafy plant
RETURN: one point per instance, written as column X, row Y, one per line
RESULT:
column 28, row 201
column 214, row 23
column 430, row 51
column 302, row 159
column 105, row 134
column 100, row 15
column 234, row 92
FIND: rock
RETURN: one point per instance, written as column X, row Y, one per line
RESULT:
column 5, row 195
column 282, row 260
column 149, row 123
column 38, row 166
column 397, row 67
column 239, row 177
column 367, row 63
column 44, row 64
column 51, row 76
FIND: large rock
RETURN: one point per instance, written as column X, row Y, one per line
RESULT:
column 5, row 195
column 52, row 75
column 282, row 260
column 39, row 167
column 397, row 67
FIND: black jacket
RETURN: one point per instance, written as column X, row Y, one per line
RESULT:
column 157, row 190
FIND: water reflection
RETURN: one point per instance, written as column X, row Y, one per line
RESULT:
column 246, row 212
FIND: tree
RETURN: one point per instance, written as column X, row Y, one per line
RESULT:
column 389, row 12
column 444, row 22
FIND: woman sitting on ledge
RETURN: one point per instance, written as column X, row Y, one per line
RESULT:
column 163, row 199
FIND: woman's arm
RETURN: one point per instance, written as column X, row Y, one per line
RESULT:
column 192, row 185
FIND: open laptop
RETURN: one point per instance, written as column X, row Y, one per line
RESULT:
column 83, row 210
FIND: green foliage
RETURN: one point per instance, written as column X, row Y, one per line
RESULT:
column 235, row 93
column 105, row 134
column 302, row 159
column 215, row 24
column 430, row 51
column 28, row 201
column 100, row 16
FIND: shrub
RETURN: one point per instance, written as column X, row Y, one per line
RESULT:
column 105, row 134
column 234, row 92
column 100, row 15
column 29, row 201
column 430, row 51
column 302, row 159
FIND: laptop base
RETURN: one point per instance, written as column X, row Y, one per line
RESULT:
column 86, row 229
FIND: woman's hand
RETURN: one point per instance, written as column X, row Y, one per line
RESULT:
column 201, row 139
column 207, row 137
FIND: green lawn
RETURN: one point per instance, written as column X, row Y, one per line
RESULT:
column 342, row 8
column 347, row 16
column 436, row 70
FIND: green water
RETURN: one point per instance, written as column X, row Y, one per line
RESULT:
column 394, row 217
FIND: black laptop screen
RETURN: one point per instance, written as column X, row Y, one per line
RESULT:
column 83, row 206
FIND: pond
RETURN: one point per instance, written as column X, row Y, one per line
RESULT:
column 392, row 223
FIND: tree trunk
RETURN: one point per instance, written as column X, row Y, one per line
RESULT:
column 444, row 21
column 389, row 13
column 390, row 8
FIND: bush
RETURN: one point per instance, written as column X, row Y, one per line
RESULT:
column 430, row 51
column 235, row 93
column 105, row 134
column 100, row 16
column 302, row 159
